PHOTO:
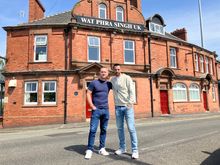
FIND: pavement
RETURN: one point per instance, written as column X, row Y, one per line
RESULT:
column 146, row 121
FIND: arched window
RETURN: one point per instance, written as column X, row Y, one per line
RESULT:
column 120, row 14
column 179, row 92
column 102, row 11
column 194, row 92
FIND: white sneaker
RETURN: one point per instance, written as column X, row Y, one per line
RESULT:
column 120, row 151
column 88, row 154
column 102, row 151
column 135, row 154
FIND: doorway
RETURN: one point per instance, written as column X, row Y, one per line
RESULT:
column 205, row 100
column 164, row 102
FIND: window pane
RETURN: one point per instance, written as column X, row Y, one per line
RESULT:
column 119, row 14
column 34, row 86
column 102, row 11
column 50, row 97
column 31, row 97
column 28, row 87
column 41, row 53
column 179, row 92
column 52, row 86
column 129, row 56
column 93, row 54
column 46, row 86
column 41, row 40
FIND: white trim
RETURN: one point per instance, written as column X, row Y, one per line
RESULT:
column 194, row 89
column 46, row 45
column 25, row 92
column 180, row 89
column 201, row 62
column 55, row 90
column 121, row 12
column 93, row 45
column 155, row 30
column 196, row 62
column 213, row 93
column 101, row 8
column 129, row 50
column 206, row 65
column 173, row 55
column 211, row 66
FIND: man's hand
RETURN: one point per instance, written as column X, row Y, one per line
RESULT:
column 129, row 106
column 94, row 108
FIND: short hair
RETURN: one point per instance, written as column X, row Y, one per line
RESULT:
column 116, row 65
column 103, row 67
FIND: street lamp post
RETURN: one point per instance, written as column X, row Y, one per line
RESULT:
column 201, row 23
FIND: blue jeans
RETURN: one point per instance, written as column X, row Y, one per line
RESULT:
column 121, row 113
column 101, row 115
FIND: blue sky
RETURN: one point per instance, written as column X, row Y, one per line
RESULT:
column 176, row 14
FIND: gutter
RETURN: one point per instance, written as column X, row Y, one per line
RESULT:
column 151, row 76
column 66, row 35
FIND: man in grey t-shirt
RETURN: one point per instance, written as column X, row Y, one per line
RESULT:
column 123, row 89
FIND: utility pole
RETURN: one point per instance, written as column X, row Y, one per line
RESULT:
column 201, row 23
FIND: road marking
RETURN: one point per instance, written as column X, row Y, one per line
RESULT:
column 178, row 141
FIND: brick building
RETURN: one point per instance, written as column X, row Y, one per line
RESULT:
column 51, row 60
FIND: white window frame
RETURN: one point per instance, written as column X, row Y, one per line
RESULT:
column 176, row 89
column 55, row 90
column 194, row 88
column 196, row 62
column 27, row 92
column 121, row 11
column 40, row 45
column 97, row 46
column 175, row 56
column 206, row 65
column 211, row 66
column 102, row 7
column 213, row 93
column 201, row 63
column 133, row 50
column 156, row 28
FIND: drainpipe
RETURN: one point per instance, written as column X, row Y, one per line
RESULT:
column 151, row 81
column 66, row 31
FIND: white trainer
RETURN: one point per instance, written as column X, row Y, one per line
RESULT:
column 88, row 154
column 135, row 154
column 120, row 151
column 102, row 151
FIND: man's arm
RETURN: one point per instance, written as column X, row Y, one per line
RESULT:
column 89, row 99
column 131, row 90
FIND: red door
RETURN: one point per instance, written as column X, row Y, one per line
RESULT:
column 205, row 101
column 88, row 108
column 164, row 102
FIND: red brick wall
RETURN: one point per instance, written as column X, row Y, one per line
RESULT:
column 90, row 9
column 36, row 10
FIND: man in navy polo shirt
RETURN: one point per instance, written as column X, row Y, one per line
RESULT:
column 97, row 96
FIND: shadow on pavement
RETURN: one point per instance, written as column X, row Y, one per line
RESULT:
column 80, row 149
column 213, row 159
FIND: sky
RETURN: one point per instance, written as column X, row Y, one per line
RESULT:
column 176, row 14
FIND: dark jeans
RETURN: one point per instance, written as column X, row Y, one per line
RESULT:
column 101, row 115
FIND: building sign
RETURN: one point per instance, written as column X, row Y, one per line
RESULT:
column 109, row 23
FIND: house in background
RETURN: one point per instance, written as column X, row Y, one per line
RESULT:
column 51, row 60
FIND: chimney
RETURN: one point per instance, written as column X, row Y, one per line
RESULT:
column 36, row 10
column 180, row 33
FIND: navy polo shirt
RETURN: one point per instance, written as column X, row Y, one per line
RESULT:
column 100, row 90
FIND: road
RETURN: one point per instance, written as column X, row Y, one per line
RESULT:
column 189, row 141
